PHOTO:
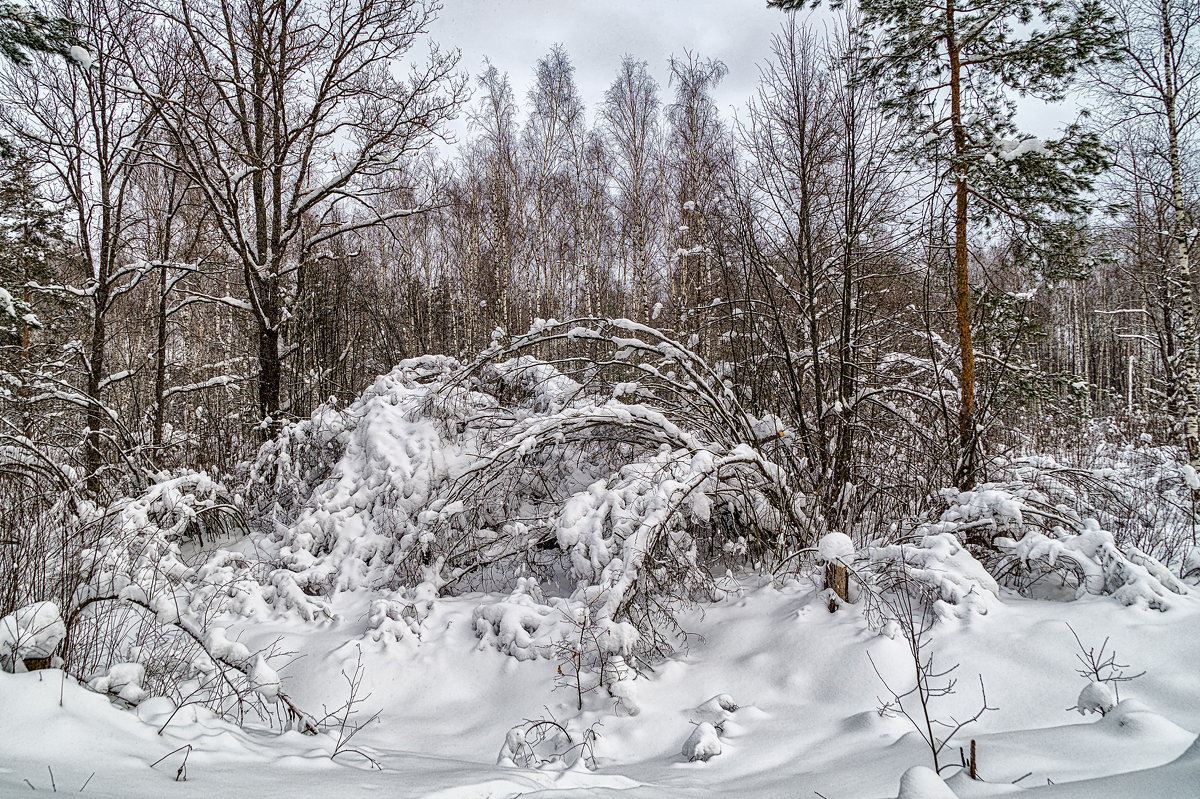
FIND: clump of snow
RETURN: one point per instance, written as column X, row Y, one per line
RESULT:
column 835, row 548
column 33, row 631
column 1096, row 697
column 1012, row 149
column 1189, row 476
column 625, row 693
column 514, row 741
column 922, row 782
column 264, row 681
column 716, row 711
column 123, row 679
column 218, row 645
column 81, row 56
column 702, row 744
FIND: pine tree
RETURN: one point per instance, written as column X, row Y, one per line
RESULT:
column 951, row 68
column 30, row 231
column 23, row 29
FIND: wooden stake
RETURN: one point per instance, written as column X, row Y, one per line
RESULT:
column 837, row 579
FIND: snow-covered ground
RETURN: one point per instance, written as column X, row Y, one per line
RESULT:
column 355, row 604
column 806, row 721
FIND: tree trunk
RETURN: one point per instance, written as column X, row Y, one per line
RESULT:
column 968, row 443
column 1187, row 310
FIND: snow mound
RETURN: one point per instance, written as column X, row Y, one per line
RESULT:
column 715, row 711
column 1096, row 697
column 703, row 744
column 33, row 631
column 922, row 782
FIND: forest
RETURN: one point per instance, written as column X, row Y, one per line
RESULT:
column 363, row 414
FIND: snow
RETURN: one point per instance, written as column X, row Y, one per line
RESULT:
column 802, row 677
column 1096, row 697
column 703, row 744
column 922, row 782
column 1012, row 149
column 835, row 548
column 264, row 681
column 358, row 612
column 124, row 680
column 81, row 56
column 33, row 631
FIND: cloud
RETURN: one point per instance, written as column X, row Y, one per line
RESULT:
column 597, row 33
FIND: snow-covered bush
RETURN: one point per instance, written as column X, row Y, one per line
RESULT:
column 1140, row 492
column 1104, row 675
column 33, row 631
column 143, row 619
column 935, row 572
column 577, row 474
column 546, row 744
column 41, row 529
column 1043, row 548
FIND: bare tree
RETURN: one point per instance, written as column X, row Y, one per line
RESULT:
column 630, row 120
column 552, row 142
column 91, row 136
column 308, row 120
column 698, row 152
column 1156, row 81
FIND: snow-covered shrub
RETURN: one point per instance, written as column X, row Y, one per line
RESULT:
column 143, row 620
column 355, row 522
column 33, row 631
column 1140, row 492
column 185, row 506
column 906, row 604
column 546, row 744
column 936, row 571
column 703, row 744
column 1104, row 675
column 1190, row 570
column 591, row 648
column 1043, row 548
column 41, row 529
column 578, row 474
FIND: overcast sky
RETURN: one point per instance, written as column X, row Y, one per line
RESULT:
column 597, row 33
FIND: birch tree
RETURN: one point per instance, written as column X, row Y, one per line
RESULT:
column 1152, row 90
column 630, row 120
